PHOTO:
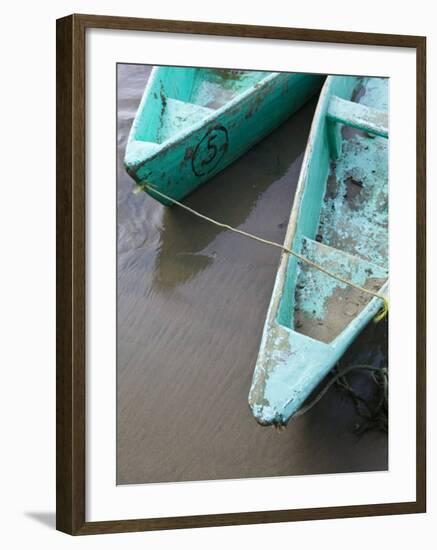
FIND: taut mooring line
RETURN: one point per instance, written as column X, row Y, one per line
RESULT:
column 381, row 315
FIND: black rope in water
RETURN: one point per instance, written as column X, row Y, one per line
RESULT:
column 374, row 416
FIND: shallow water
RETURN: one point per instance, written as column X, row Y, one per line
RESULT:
column 192, row 300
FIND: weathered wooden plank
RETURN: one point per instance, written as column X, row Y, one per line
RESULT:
column 358, row 116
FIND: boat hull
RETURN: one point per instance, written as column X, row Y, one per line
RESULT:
column 200, row 150
column 339, row 221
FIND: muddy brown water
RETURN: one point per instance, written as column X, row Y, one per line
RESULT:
column 191, row 304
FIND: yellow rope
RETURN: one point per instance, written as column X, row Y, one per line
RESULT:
column 381, row 315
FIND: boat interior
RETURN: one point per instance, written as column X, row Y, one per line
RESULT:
column 342, row 222
column 179, row 97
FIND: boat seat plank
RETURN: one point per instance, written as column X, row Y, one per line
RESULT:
column 324, row 305
column 358, row 116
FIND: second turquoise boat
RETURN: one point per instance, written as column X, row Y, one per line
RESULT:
column 339, row 220
column 192, row 123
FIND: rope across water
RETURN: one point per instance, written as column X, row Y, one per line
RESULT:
column 381, row 315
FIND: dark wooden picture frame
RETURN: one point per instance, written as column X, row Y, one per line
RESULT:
column 70, row 301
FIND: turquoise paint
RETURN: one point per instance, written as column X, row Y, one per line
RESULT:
column 192, row 123
column 312, row 318
column 360, row 231
column 358, row 116
column 335, row 142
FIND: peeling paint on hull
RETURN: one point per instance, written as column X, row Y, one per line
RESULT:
column 340, row 220
column 192, row 123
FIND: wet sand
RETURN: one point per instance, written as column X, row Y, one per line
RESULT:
column 191, row 304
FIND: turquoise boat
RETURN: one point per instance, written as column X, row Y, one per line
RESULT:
column 192, row 123
column 339, row 220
